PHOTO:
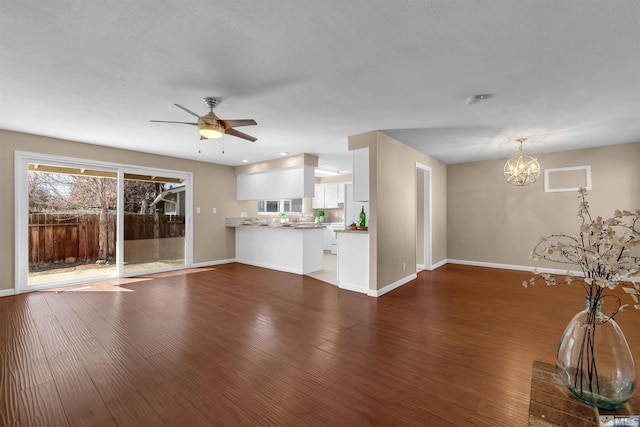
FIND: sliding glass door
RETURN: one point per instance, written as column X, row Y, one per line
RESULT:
column 154, row 223
column 71, row 223
column 80, row 221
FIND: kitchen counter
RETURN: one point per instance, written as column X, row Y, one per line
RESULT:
column 292, row 249
column 290, row 225
column 347, row 230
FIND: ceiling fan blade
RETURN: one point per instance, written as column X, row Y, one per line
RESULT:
column 235, row 123
column 187, row 110
column 239, row 134
column 165, row 121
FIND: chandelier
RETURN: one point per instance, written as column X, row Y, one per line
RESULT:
column 521, row 170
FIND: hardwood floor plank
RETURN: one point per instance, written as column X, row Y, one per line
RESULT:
column 132, row 410
column 9, row 396
column 82, row 402
column 165, row 399
column 30, row 372
column 213, row 404
column 41, row 406
column 241, row 345
column 192, row 418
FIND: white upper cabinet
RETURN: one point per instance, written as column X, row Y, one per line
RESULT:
column 318, row 199
column 330, row 196
column 292, row 183
column 361, row 174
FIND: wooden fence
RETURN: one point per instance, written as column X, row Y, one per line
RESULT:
column 64, row 238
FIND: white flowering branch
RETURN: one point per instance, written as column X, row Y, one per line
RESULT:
column 602, row 251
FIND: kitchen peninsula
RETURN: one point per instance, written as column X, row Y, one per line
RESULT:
column 291, row 248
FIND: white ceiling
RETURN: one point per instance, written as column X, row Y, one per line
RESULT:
column 564, row 73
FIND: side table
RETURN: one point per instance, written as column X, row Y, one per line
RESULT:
column 553, row 405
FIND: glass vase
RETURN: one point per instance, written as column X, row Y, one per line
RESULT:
column 594, row 360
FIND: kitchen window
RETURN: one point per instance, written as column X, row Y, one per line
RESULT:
column 284, row 205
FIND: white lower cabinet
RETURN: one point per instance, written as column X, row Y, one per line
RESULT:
column 287, row 249
column 353, row 261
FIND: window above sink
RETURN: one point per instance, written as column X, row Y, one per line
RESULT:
column 282, row 205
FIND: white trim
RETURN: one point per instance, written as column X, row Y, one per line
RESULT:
column 528, row 268
column 496, row 265
column 120, row 225
column 276, row 267
column 64, row 283
column 587, row 170
column 439, row 264
column 7, row 292
column 428, row 217
column 392, row 286
column 210, row 263
column 352, row 288
column 512, row 267
column 420, row 267
column 21, row 234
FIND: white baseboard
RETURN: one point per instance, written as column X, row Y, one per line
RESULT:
column 491, row 265
column 438, row 264
column 353, row 288
column 270, row 266
column 392, row 286
column 526, row 268
column 7, row 292
column 210, row 263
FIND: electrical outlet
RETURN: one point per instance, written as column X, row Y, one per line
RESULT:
column 214, row 210
column 404, row 266
column 197, row 210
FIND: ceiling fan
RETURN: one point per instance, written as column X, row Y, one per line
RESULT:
column 211, row 126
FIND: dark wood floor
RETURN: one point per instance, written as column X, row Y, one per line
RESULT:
column 237, row 345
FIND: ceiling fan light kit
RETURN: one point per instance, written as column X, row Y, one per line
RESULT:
column 210, row 130
column 211, row 126
column 521, row 170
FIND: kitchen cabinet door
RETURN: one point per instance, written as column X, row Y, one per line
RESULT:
column 318, row 200
column 330, row 196
column 341, row 193
column 327, row 239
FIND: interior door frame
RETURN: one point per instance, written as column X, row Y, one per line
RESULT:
column 427, row 238
column 21, row 210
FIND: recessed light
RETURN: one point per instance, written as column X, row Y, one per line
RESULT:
column 284, row 153
column 478, row 98
column 245, row 161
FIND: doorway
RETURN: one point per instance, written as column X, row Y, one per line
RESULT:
column 423, row 218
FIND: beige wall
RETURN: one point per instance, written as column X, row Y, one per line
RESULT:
column 392, row 223
column 477, row 216
column 493, row 222
column 213, row 186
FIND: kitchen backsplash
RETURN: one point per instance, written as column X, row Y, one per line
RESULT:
column 235, row 221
